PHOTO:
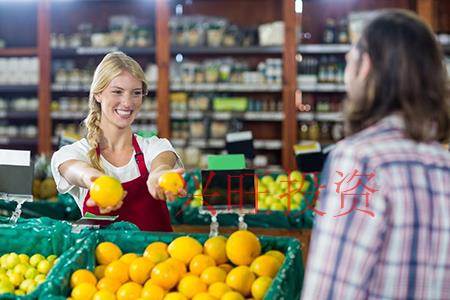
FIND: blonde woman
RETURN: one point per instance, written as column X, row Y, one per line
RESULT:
column 111, row 148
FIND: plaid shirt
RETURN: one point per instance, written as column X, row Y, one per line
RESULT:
column 394, row 241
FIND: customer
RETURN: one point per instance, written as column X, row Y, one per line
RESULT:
column 110, row 148
column 386, row 232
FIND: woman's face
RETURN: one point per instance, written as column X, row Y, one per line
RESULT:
column 121, row 100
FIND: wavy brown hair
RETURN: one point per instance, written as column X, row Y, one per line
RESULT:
column 407, row 76
column 112, row 65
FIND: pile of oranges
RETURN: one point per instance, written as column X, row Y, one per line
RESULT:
column 221, row 269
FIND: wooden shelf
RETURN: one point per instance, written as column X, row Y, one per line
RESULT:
column 18, row 115
column 227, row 87
column 18, row 88
column 92, row 51
column 227, row 50
column 324, row 48
column 220, row 143
column 18, row 141
column 12, row 52
column 276, row 116
column 320, row 116
column 322, row 87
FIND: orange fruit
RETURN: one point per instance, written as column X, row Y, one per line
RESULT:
column 242, row 247
column 140, row 269
column 83, row 291
column 215, row 247
column 204, row 296
column 275, row 253
column 226, row 267
column 200, row 262
column 241, row 279
column 99, row 271
column 128, row 258
column 171, row 182
column 165, row 275
column 104, row 295
column 232, row 296
column 175, row 296
column 106, row 191
column 117, row 270
column 107, row 252
column 159, row 246
column 184, row 248
column 109, row 284
column 213, row 274
column 129, row 291
column 153, row 292
column 260, row 287
column 265, row 265
column 156, row 252
column 82, row 276
column 191, row 285
column 181, row 267
column 218, row 289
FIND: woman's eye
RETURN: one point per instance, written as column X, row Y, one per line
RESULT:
column 138, row 93
column 117, row 92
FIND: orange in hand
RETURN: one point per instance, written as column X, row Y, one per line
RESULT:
column 106, row 191
column 171, row 182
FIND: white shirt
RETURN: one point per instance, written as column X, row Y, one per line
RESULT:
column 150, row 147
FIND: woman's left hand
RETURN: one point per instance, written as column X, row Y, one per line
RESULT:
column 158, row 192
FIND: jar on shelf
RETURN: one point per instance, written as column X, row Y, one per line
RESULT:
column 314, row 131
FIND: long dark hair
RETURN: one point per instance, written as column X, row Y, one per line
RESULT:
column 407, row 76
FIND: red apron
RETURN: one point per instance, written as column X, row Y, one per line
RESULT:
column 139, row 207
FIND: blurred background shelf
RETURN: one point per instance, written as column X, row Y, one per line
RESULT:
column 252, row 50
column 13, row 52
column 324, row 48
column 91, row 51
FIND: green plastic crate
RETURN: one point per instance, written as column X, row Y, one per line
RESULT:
column 286, row 285
column 36, row 236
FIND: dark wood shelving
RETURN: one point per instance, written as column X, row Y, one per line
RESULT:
column 12, row 52
column 227, row 50
column 91, row 51
column 18, row 88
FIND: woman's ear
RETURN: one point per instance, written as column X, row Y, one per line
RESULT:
column 97, row 98
column 365, row 67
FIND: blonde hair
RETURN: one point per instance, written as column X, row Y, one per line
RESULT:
column 112, row 65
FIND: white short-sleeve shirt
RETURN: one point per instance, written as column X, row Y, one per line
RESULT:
column 150, row 147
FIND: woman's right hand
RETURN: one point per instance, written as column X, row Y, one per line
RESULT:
column 108, row 209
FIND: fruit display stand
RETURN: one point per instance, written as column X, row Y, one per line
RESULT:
column 30, row 237
column 64, row 208
column 295, row 223
column 286, row 284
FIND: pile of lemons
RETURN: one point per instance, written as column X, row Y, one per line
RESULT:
column 225, row 269
column 21, row 274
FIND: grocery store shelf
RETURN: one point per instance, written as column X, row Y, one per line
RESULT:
column 62, row 88
column 227, row 50
column 324, row 48
column 223, row 116
column 14, row 52
column 267, row 144
column 320, row 116
column 321, row 87
column 18, row 141
column 220, row 143
column 264, row 116
column 25, row 115
column 80, row 51
column 147, row 115
column 18, row 88
column 68, row 115
column 226, row 87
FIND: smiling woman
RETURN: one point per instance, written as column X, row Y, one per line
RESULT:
column 110, row 148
